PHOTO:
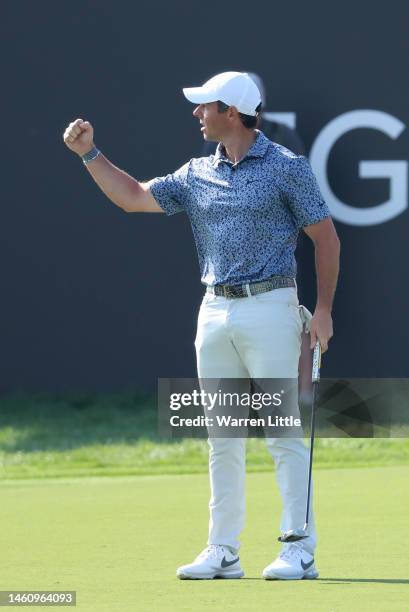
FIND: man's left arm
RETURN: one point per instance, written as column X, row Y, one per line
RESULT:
column 327, row 249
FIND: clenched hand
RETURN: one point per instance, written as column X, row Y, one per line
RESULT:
column 79, row 136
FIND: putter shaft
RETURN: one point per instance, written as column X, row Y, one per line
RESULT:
column 298, row 534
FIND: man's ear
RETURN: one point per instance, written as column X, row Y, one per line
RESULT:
column 232, row 112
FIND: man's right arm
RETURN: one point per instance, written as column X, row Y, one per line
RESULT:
column 123, row 190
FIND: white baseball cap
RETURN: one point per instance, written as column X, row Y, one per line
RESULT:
column 233, row 88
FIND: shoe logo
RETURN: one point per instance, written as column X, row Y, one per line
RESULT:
column 225, row 563
column 305, row 566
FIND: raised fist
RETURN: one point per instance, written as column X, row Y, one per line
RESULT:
column 79, row 136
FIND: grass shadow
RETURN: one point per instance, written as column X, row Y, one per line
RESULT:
column 32, row 422
column 341, row 580
column 365, row 580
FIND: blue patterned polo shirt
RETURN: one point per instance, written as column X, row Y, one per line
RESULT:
column 245, row 216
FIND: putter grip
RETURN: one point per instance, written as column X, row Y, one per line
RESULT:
column 316, row 362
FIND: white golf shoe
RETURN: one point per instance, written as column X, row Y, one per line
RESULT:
column 213, row 562
column 293, row 563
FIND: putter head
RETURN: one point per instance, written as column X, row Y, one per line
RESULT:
column 294, row 535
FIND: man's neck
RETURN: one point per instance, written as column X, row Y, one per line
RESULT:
column 237, row 144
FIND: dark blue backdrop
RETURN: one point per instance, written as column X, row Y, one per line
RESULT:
column 93, row 298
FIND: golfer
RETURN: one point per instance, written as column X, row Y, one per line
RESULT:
column 246, row 204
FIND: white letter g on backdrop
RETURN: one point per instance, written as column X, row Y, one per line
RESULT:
column 395, row 171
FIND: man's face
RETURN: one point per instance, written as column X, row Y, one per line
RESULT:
column 214, row 124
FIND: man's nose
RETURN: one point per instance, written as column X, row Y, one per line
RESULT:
column 196, row 111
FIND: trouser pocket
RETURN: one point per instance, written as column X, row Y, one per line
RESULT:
column 306, row 317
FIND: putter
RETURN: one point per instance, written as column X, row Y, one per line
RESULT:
column 294, row 535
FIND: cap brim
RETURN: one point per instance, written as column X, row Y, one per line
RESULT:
column 198, row 95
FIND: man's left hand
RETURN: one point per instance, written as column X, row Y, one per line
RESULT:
column 321, row 328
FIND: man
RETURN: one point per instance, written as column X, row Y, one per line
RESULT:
column 246, row 205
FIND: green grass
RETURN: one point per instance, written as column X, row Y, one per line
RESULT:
column 118, row 541
column 82, row 435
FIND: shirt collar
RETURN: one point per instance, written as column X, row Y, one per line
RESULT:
column 257, row 149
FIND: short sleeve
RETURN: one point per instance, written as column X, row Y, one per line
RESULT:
column 171, row 191
column 303, row 194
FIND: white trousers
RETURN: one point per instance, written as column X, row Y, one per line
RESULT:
column 253, row 337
